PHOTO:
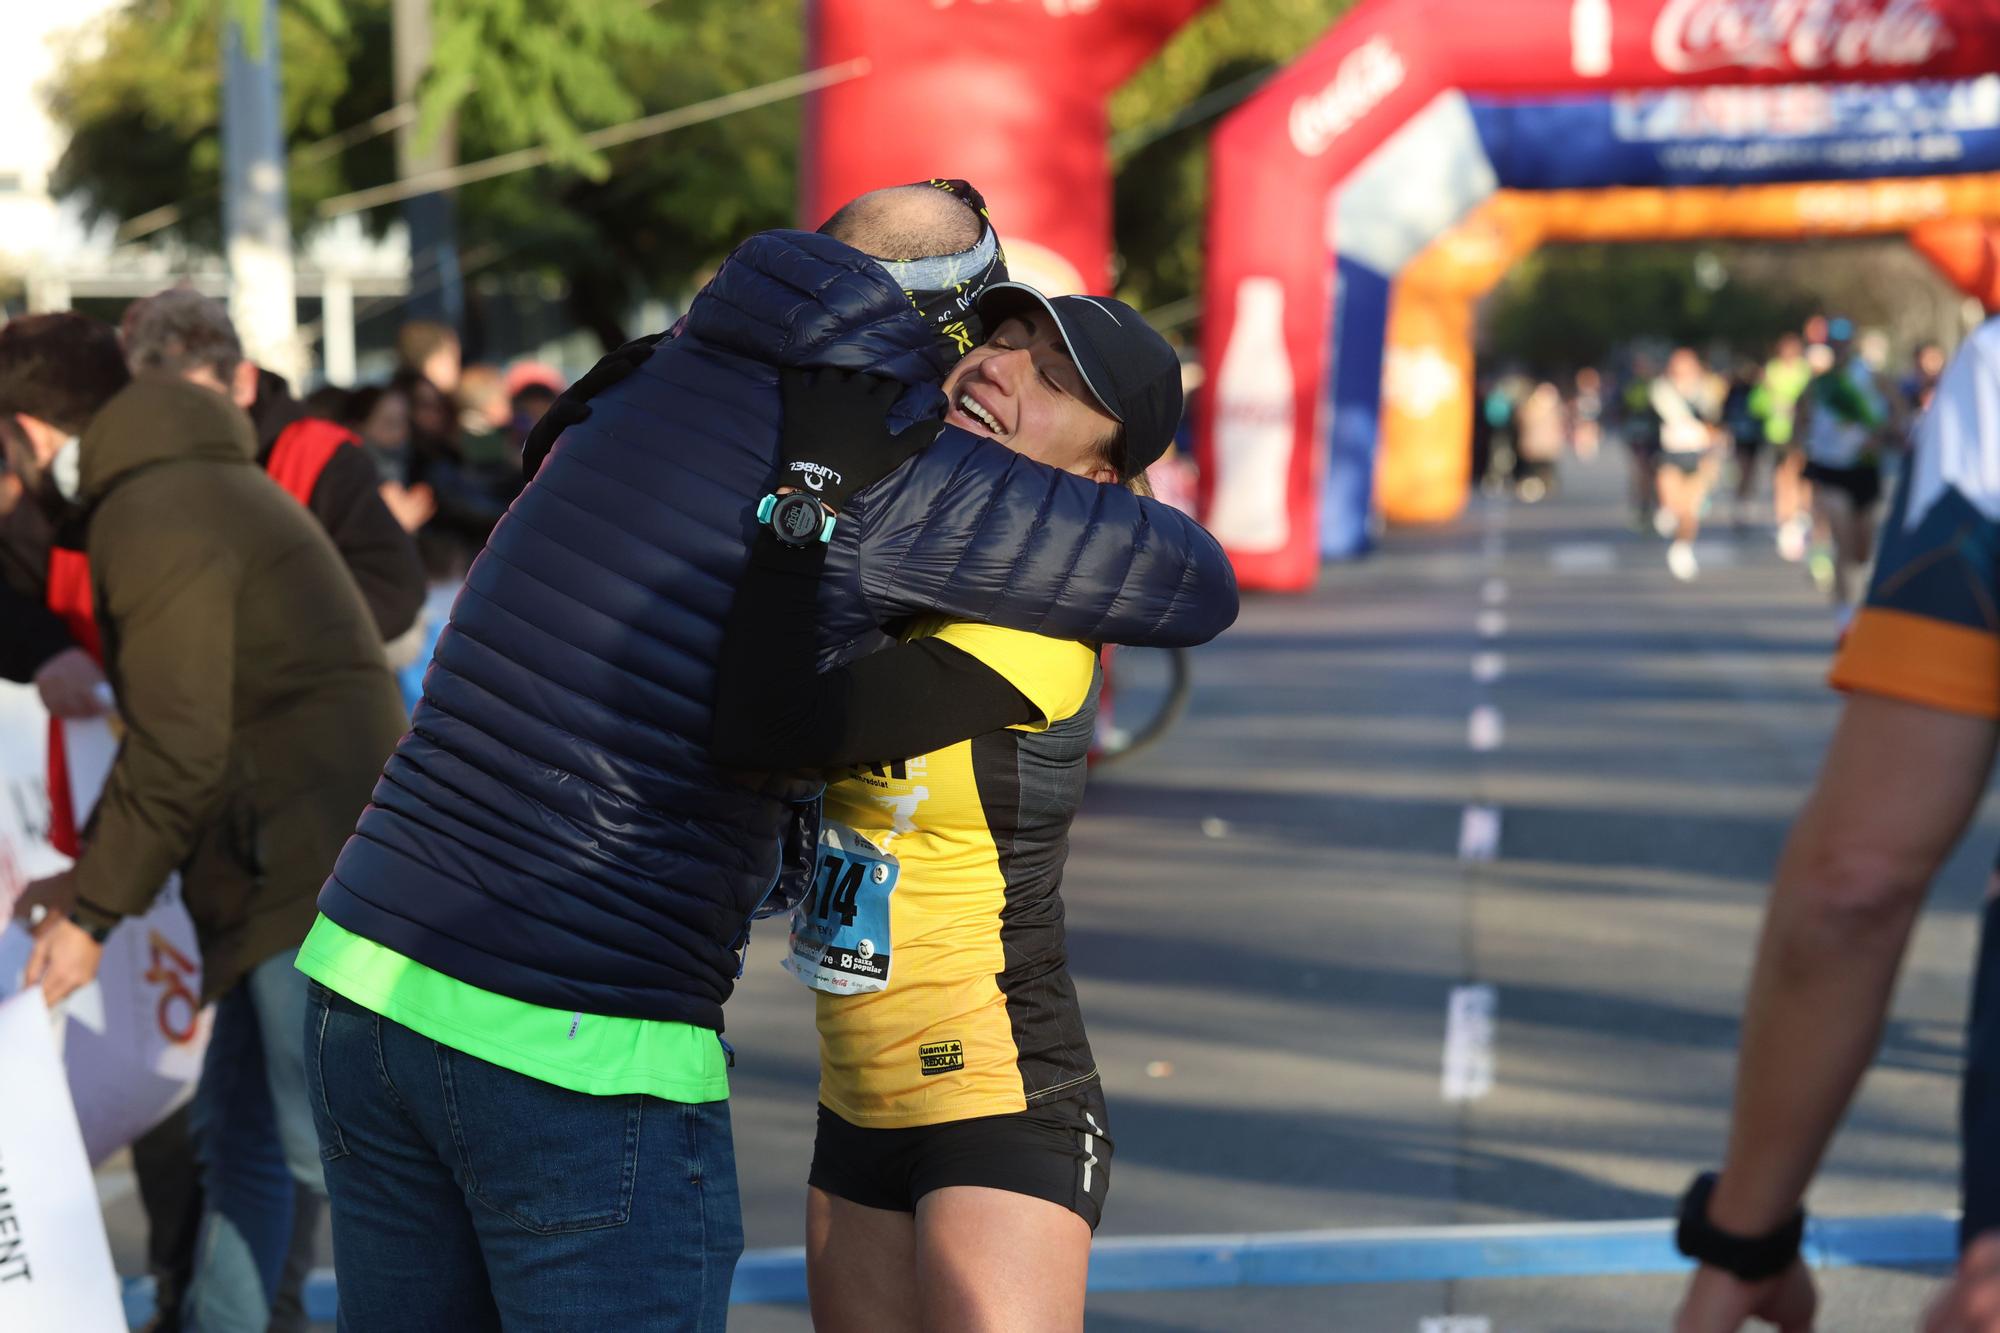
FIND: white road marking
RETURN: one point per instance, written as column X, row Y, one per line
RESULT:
column 1485, row 729
column 1455, row 1323
column 1583, row 558
column 1468, row 1043
column 1716, row 554
column 1494, row 593
column 1492, row 624
column 1479, row 833
column 1488, row 667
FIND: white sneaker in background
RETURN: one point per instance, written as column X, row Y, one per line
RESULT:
column 1792, row 538
column 1681, row 561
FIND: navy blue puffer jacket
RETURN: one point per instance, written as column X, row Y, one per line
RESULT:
column 551, row 828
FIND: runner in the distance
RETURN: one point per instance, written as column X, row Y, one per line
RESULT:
column 1775, row 403
column 1687, row 407
column 961, row 1161
column 1842, row 417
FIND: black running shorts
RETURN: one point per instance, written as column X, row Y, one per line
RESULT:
column 1056, row 1151
column 1862, row 485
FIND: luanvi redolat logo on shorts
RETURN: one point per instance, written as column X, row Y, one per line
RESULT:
column 941, row 1057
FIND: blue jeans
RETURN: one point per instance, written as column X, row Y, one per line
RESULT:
column 253, row 1130
column 466, row 1196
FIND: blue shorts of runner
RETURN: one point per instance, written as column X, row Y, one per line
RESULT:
column 1057, row 1151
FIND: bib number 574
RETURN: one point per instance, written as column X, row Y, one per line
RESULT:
column 838, row 889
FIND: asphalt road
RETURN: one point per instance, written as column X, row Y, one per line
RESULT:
column 1269, row 913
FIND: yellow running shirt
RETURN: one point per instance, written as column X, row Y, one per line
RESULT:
column 980, row 1017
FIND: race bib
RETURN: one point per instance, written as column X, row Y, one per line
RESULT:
column 840, row 929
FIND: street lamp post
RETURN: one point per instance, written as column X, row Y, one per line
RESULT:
column 437, row 290
column 256, row 218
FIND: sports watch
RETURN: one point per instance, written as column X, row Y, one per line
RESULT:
column 1751, row 1258
column 98, row 925
column 797, row 518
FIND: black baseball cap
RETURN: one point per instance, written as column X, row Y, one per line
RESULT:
column 1127, row 366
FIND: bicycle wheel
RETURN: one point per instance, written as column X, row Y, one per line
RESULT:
column 1145, row 692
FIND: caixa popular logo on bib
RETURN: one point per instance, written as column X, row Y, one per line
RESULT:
column 941, row 1057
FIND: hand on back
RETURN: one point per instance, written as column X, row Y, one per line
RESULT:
column 836, row 439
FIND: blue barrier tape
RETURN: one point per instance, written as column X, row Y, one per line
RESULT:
column 1349, row 1257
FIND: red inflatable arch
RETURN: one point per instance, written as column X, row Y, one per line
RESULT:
column 1280, row 163
column 1009, row 94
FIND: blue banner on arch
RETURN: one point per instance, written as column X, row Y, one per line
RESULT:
column 1743, row 135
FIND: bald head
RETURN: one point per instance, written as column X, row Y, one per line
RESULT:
column 905, row 222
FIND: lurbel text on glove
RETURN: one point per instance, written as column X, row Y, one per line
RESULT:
column 815, row 475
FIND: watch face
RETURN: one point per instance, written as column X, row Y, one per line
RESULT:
column 797, row 519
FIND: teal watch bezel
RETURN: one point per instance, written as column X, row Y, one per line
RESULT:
column 767, row 509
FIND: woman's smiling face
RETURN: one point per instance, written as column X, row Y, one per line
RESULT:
column 1021, row 387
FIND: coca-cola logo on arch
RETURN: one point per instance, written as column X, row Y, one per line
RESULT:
column 1368, row 73
column 1696, row 35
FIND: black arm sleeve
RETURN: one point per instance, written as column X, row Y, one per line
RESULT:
column 30, row 634
column 774, row 711
column 381, row 556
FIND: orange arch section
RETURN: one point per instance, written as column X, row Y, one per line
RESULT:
column 1423, row 467
column 1966, row 251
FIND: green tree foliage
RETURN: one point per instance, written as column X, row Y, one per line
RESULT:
column 1571, row 305
column 539, row 69
column 1161, row 122
column 670, row 208
column 140, row 101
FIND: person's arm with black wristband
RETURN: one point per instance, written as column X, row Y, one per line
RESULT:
column 773, row 709
column 1902, row 779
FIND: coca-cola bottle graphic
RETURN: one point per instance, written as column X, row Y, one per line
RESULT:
column 1253, row 425
column 1590, row 38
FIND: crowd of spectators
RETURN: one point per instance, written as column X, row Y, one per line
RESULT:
column 445, row 439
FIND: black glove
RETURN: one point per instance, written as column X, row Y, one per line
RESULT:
column 574, row 403
column 836, row 438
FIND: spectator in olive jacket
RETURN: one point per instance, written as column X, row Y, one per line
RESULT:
column 258, row 711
